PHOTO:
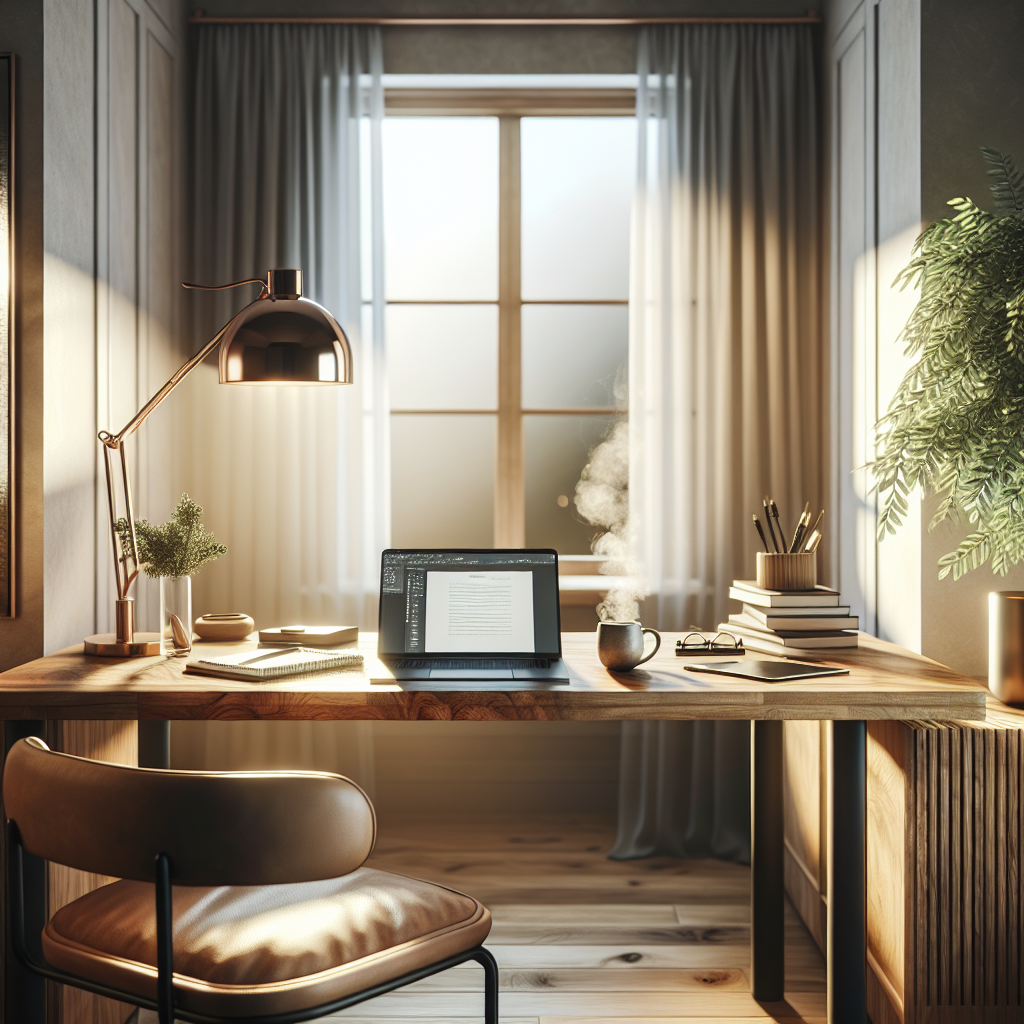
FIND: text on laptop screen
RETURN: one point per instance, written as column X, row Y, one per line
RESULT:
column 469, row 602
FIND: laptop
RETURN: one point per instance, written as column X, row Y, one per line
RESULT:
column 471, row 614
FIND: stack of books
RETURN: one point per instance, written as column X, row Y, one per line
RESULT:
column 785, row 621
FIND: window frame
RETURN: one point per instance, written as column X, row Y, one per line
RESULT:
column 509, row 106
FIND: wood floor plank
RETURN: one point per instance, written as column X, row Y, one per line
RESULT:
column 629, row 1004
column 622, row 958
column 678, row 1020
column 695, row 915
column 617, row 935
column 584, row 980
column 807, row 976
column 490, row 893
column 584, row 914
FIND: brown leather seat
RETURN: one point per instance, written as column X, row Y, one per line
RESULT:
column 260, row 905
column 266, row 949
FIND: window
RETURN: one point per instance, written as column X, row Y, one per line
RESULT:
column 506, row 249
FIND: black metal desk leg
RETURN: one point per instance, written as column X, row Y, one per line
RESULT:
column 154, row 744
column 846, row 904
column 767, row 896
column 25, row 992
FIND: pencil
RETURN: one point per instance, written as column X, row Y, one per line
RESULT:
column 782, row 536
column 801, row 524
column 768, row 520
column 760, row 533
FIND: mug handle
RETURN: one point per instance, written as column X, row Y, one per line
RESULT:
column 657, row 643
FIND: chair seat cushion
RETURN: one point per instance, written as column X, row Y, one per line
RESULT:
column 242, row 951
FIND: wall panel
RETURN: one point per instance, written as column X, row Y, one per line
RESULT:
column 853, row 324
column 138, row 112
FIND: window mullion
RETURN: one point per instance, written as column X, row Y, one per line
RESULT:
column 509, row 483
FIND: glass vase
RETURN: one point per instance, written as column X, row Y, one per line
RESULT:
column 175, row 615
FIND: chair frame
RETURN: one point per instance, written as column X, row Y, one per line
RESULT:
column 164, row 1003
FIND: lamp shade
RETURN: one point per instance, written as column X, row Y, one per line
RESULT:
column 282, row 338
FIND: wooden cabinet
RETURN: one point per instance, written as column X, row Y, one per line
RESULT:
column 945, row 833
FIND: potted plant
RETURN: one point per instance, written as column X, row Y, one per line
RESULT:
column 956, row 424
column 175, row 552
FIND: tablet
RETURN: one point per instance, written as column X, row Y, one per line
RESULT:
column 770, row 671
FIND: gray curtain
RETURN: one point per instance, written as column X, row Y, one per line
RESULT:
column 294, row 480
column 726, row 375
column 684, row 790
column 287, row 173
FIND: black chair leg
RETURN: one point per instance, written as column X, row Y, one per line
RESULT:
column 164, row 941
column 486, row 960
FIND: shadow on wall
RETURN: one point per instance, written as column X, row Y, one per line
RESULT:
column 444, row 769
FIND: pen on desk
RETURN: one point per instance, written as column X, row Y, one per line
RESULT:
column 782, row 536
column 760, row 533
column 768, row 520
column 801, row 524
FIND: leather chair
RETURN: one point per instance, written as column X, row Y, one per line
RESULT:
column 272, row 919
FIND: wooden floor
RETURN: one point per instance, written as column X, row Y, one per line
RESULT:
column 581, row 939
column 584, row 940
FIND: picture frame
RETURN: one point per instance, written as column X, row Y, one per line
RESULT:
column 8, row 489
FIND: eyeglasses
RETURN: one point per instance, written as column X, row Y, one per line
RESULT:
column 719, row 642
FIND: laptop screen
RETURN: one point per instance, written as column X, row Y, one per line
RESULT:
column 469, row 602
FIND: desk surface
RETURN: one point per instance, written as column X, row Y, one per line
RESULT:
column 885, row 682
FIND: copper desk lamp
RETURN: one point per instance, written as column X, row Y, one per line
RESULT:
column 280, row 338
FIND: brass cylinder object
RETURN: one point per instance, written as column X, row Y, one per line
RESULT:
column 1006, row 645
column 124, row 622
column 284, row 284
column 794, row 571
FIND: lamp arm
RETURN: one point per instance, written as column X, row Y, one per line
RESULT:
column 126, row 562
column 116, row 440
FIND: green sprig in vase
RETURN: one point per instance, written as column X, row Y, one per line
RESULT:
column 174, row 553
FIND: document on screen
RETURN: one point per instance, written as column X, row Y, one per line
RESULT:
column 479, row 612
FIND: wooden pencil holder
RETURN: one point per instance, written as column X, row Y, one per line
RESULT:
column 796, row 571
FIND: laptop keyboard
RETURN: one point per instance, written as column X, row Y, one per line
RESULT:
column 469, row 664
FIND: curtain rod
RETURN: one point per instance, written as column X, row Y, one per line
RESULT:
column 200, row 17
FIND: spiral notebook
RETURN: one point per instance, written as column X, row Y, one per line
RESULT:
column 274, row 663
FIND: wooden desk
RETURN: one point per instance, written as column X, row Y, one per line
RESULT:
column 885, row 682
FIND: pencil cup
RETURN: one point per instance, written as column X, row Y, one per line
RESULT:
column 796, row 571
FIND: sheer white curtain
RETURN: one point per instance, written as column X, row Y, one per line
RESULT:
column 726, row 375
column 294, row 480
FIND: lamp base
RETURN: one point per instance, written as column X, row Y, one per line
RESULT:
column 145, row 645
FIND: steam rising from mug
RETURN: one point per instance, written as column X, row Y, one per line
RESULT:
column 602, row 498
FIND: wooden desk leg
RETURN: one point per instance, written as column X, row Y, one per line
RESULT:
column 847, row 1002
column 25, row 992
column 767, row 892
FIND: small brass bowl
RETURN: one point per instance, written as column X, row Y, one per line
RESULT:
column 224, row 626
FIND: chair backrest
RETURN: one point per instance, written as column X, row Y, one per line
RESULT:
column 217, row 828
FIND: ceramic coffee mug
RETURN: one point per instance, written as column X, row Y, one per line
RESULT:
column 620, row 645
